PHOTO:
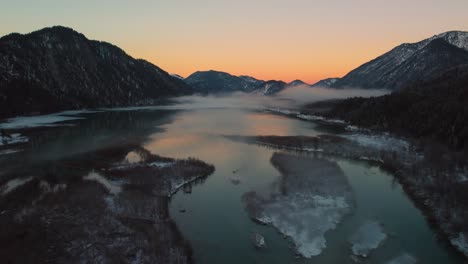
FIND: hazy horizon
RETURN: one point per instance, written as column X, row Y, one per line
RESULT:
column 266, row 39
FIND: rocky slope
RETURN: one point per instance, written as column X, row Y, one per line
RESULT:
column 409, row 63
column 272, row 87
column 326, row 83
column 58, row 68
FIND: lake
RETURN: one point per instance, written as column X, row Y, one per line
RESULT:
column 211, row 214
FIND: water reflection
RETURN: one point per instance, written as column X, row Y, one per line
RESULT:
column 210, row 213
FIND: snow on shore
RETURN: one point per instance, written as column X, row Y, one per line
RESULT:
column 379, row 141
column 113, row 187
column 299, row 115
column 382, row 141
column 461, row 242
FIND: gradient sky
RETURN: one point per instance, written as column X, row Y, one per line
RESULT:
column 267, row 39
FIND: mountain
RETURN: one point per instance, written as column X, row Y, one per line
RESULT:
column 298, row 83
column 252, row 80
column 177, row 76
column 326, row 83
column 434, row 109
column 205, row 82
column 58, row 68
column 272, row 87
column 408, row 63
column 213, row 82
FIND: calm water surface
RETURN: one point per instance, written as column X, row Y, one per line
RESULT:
column 212, row 216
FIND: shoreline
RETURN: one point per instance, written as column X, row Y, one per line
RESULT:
column 394, row 164
column 115, row 208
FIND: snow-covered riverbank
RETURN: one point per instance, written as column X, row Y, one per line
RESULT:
column 435, row 181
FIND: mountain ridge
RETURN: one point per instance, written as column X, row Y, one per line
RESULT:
column 215, row 82
column 385, row 71
column 58, row 68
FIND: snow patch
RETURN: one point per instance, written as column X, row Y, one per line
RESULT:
column 177, row 184
column 48, row 188
column 161, row 164
column 367, row 238
column 111, row 186
column 379, row 141
column 13, row 184
column 157, row 164
column 12, row 139
column 258, row 240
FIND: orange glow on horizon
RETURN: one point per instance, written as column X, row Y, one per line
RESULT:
column 265, row 39
column 309, row 69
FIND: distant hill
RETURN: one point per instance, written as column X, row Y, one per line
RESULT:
column 409, row 63
column 215, row 82
column 272, row 87
column 298, row 83
column 58, row 68
column 205, row 82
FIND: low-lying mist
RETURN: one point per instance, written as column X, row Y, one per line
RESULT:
column 291, row 97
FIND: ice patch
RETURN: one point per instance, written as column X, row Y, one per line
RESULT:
column 37, row 121
column 258, row 240
column 461, row 242
column 306, row 224
column 367, row 238
column 313, row 196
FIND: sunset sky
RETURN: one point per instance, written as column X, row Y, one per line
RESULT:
column 267, row 39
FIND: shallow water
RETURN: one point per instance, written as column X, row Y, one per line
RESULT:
column 212, row 216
